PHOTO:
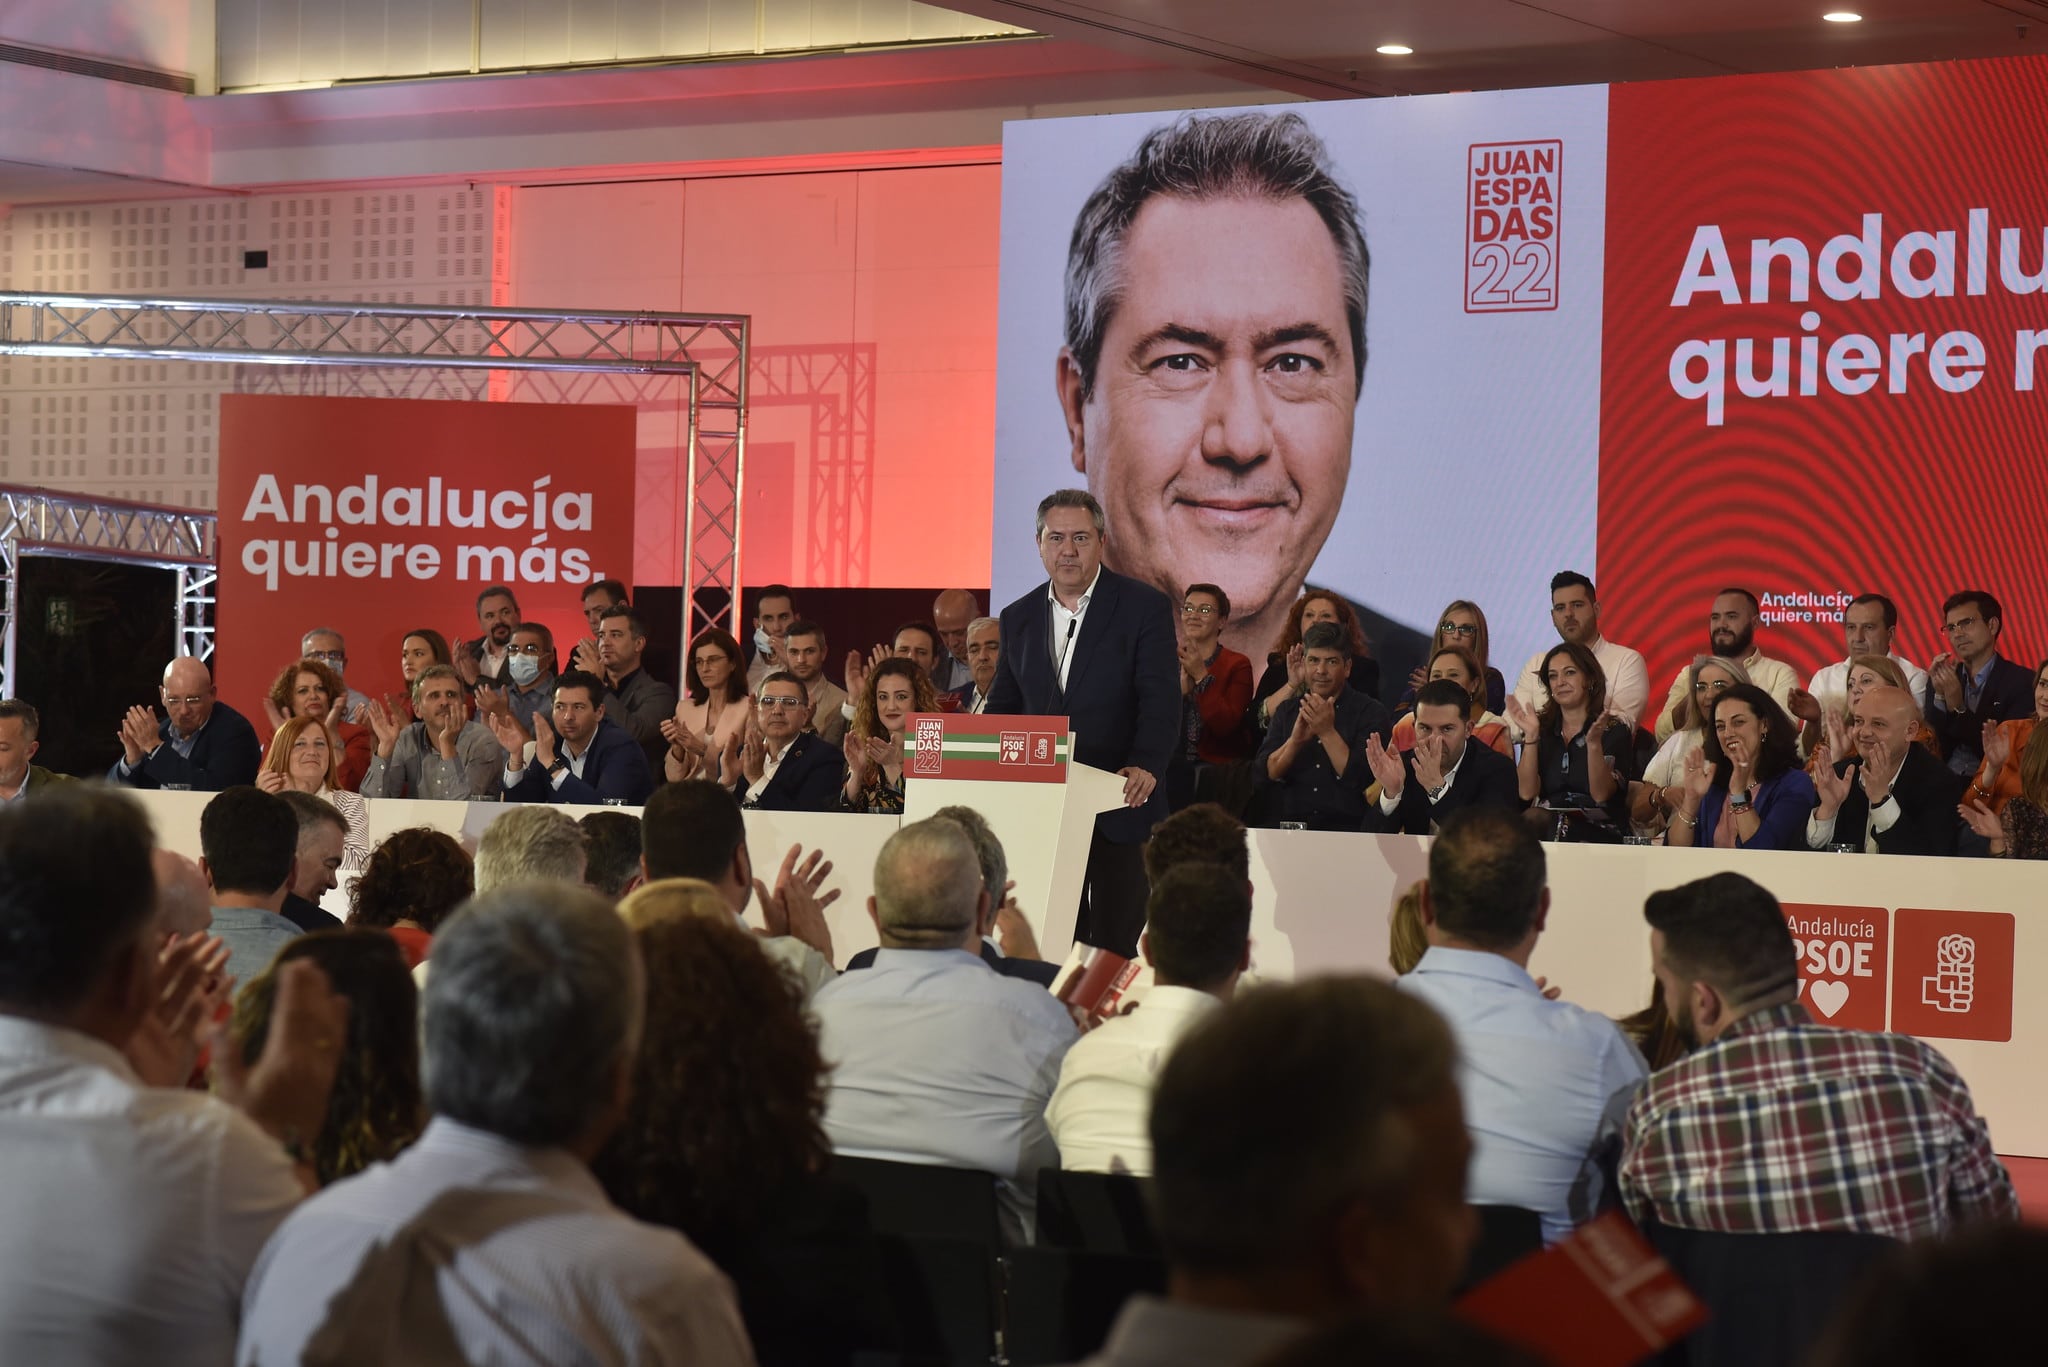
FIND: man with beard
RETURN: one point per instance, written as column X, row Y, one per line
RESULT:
column 1215, row 350
column 1774, row 1124
column 1731, row 634
column 1575, row 612
column 584, row 757
column 444, row 755
column 486, row 659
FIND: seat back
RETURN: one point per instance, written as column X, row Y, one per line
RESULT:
column 1059, row 1304
column 925, row 1201
column 1770, row 1295
column 1094, row 1212
column 943, row 1296
column 1507, row 1234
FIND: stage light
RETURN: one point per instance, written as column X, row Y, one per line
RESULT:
column 1842, row 16
column 1394, row 50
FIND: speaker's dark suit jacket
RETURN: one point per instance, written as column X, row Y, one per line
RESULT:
column 226, row 753
column 1122, row 699
column 807, row 780
column 1927, row 794
column 1485, row 778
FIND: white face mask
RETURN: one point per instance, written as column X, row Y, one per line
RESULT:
column 761, row 642
column 524, row 668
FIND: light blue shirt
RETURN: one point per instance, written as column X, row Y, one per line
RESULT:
column 253, row 937
column 937, row 1058
column 1545, row 1084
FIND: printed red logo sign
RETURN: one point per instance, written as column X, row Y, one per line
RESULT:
column 1952, row 974
column 1512, row 208
column 1041, row 747
column 1010, row 747
column 1841, row 963
column 931, row 740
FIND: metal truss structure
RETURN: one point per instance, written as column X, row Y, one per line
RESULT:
column 707, row 353
column 38, row 522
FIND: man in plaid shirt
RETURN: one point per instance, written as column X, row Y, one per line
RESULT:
column 1774, row 1123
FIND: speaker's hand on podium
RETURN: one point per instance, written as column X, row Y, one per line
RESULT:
column 1138, row 785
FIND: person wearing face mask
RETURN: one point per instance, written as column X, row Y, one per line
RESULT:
column 1744, row 788
column 530, row 670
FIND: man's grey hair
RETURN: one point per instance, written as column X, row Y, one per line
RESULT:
column 927, row 882
column 321, row 631
column 529, row 843
column 1200, row 157
column 312, row 811
column 978, row 623
column 1070, row 498
column 988, row 851
column 533, row 1005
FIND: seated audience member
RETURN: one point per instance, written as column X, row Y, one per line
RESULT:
column 201, row 743
column 1575, row 612
column 1731, row 634
column 1202, row 834
column 415, row 879
column 712, row 711
column 531, row 845
column 249, row 846
column 183, row 896
column 1406, row 940
column 774, row 618
column 1308, row 1162
column 597, row 599
column 635, row 699
column 303, row 758
column 1831, row 740
column 316, row 864
column 19, row 727
column 984, row 654
column 1774, row 1123
column 952, row 612
column 421, row 650
column 442, row 756
column 1998, row 778
column 310, row 689
column 1447, row 771
column 487, row 659
column 1970, row 683
column 1892, row 797
column 2019, row 830
column 1655, row 1035
column 1545, row 1084
column 1007, row 943
column 325, row 645
column 374, row 1110
column 1286, row 673
column 1461, row 626
column 1744, row 788
column 611, row 842
column 1315, row 749
column 725, row 1142
column 783, row 765
column 1869, row 626
column 1198, row 940
column 1663, row 784
column 584, row 757
column 530, row 672
column 935, row 1057
column 919, row 642
column 133, row 1207
column 489, row 1238
column 1459, row 666
column 891, row 692
column 1582, row 751
column 1215, row 690
column 1970, row 1298
column 694, row 829
column 806, row 650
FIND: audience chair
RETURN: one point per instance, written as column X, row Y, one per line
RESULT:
column 1770, row 1295
column 1094, row 1212
column 925, row 1201
column 1060, row 1304
column 1507, row 1234
column 943, row 1297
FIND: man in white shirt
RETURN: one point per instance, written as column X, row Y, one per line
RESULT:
column 1731, row 634
column 937, row 1058
column 1198, row 940
column 1546, row 1084
column 1575, row 612
column 489, row 1240
column 1869, row 624
column 132, row 1208
column 984, row 653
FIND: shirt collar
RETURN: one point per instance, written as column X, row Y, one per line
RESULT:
column 21, row 1037
column 176, row 734
column 1082, row 605
column 1765, row 1019
column 1475, row 963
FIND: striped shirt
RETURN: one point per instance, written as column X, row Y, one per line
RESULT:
column 1782, row 1125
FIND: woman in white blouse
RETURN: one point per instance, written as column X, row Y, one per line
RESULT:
column 303, row 756
column 1663, row 781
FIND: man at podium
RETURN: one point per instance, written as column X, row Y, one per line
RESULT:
column 1098, row 649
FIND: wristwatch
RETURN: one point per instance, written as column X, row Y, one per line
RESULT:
column 558, row 766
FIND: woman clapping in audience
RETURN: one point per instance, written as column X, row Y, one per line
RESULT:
column 712, row 711
column 2018, row 830
column 302, row 757
column 1457, row 664
column 1577, row 755
column 1998, row 779
column 311, row 688
column 894, row 689
column 1461, row 624
column 1743, row 787
column 1865, row 673
column 1652, row 801
column 1286, row 673
column 413, row 881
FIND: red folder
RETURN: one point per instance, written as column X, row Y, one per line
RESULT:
column 1098, row 984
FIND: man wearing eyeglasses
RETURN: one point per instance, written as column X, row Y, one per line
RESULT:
column 201, row 744
column 784, row 766
column 1215, row 691
column 1970, row 682
column 325, row 645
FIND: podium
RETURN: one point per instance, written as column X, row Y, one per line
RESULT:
column 1020, row 774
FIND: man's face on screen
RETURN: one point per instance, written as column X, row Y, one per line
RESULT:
column 1218, row 433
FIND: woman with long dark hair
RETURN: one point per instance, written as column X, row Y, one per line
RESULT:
column 1744, row 788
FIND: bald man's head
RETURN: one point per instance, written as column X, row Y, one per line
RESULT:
column 188, row 694
column 184, row 900
column 1885, row 722
column 951, row 613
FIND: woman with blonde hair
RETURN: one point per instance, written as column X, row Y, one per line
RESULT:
column 1662, row 788
column 1865, row 673
column 303, row 756
column 1460, row 624
column 2019, row 829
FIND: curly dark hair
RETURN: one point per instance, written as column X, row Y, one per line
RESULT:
column 1347, row 619
column 418, row 874
column 281, row 688
column 376, row 1110
column 1778, row 750
column 729, row 1089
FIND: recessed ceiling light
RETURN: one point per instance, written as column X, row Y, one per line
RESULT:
column 1394, row 50
column 1842, row 16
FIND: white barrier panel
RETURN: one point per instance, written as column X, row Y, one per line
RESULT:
column 1930, row 946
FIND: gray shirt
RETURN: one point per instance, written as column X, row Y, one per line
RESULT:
column 253, row 937
column 416, row 769
column 641, row 703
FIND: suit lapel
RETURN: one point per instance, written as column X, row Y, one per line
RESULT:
column 1095, row 627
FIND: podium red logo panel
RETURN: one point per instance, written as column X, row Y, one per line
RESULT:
column 1952, row 974
column 960, row 745
column 1842, row 964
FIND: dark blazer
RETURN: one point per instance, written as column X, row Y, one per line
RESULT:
column 1121, row 701
column 1031, row 970
column 807, row 780
column 1312, row 791
column 2008, row 693
column 1927, row 794
column 307, row 915
column 225, row 754
column 1485, row 778
column 614, row 766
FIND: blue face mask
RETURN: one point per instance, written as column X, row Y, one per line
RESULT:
column 524, row 669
